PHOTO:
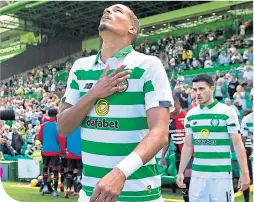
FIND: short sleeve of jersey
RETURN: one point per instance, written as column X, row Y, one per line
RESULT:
column 232, row 122
column 72, row 95
column 187, row 126
column 156, row 86
column 244, row 129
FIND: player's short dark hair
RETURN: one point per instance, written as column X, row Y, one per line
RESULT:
column 52, row 113
column 204, row 78
column 136, row 24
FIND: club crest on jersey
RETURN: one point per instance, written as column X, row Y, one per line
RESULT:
column 204, row 133
column 126, row 83
column 215, row 122
column 102, row 107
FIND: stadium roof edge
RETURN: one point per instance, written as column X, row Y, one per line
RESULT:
column 15, row 7
column 187, row 12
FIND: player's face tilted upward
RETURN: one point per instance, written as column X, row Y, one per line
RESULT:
column 116, row 19
column 203, row 92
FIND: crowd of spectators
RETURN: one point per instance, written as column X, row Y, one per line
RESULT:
column 36, row 80
column 22, row 132
column 181, row 51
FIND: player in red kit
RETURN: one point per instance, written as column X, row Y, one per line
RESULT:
column 177, row 134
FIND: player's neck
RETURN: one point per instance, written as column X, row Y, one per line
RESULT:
column 111, row 45
column 208, row 102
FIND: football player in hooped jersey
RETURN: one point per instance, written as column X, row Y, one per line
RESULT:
column 121, row 99
column 177, row 134
column 209, row 128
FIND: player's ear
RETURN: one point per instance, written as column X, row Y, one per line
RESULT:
column 132, row 29
column 212, row 88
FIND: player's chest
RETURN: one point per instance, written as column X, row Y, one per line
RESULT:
column 208, row 126
column 87, row 79
column 130, row 100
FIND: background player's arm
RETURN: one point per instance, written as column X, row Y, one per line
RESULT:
column 240, row 152
column 234, row 130
column 73, row 110
column 187, row 147
column 186, row 153
column 244, row 181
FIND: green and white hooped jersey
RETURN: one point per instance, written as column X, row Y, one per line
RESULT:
column 117, row 124
column 211, row 127
column 247, row 130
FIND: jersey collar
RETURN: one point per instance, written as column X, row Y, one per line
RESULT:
column 121, row 53
column 210, row 106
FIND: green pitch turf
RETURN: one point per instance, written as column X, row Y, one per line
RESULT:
column 26, row 194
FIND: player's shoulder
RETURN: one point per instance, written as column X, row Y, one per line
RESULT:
column 147, row 61
column 224, row 109
column 84, row 63
column 193, row 111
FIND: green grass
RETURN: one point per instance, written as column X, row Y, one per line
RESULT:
column 24, row 194
column 32, row 194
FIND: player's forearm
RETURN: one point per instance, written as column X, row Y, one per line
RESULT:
column 241, row 156
column 185, row 157
column 154, row 141
column 70, row 119
column 144, row 152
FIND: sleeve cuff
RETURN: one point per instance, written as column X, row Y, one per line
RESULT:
column 233, row 130
column 161, row 104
